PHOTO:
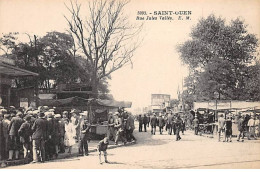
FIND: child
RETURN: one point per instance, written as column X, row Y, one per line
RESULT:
column 102, row 146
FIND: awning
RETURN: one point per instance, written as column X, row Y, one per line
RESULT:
column 13, row 71
column 81, row 101
column 111, row 103
column 62, row 102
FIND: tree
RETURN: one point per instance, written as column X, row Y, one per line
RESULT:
column 218, row 56
column 104, row 36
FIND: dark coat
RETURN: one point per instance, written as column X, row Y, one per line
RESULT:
column 170, row 119
column 145, row 119
column 240, row 124
column 153, row 121
column 196, row 122
column 39, row 129
column 14, row 126
column 130, row 123
column 140, row 119
column 62, row 127
column 160, row 121
column 50, row 130
column 178, row 123
column 56, row 131
column 84, row 130
column 25, row 131
column 1, row 141
column 6, row 124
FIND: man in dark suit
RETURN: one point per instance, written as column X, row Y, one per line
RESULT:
column 196, row 125
column 62, row 134
column 84, row 128
column 39, row 137
column 120, row 130
column 240, row 128
column 169, row 123
column 6, row 122
column 140, row 120
column 145, row 121
column 1, row 138
column 25, row 136
column 178, row 125
column 14, row 145
column 153, row 124
column 161, row 123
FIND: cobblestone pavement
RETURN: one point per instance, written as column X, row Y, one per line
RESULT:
column 162, row 151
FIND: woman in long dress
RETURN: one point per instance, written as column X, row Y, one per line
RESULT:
column 70, row 134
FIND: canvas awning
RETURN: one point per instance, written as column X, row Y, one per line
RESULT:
column 13, row 71
column 111, row 103
column 82, row 101
column 62, row 102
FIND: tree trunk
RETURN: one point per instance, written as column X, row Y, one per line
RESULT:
column 94, row 85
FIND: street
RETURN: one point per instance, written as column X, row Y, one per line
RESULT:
column 163, row 152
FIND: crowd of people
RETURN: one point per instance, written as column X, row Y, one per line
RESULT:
column 248, row 126
column 40, row 134
column 172, row 122
column 120, row 127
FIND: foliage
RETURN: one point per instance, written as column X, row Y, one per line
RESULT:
column 52, row 56
column 220, row 57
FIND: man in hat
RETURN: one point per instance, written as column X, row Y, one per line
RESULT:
column 251, row 125
column 39, row 137
column 145, row 122
column 130, row 126
column 161, row 123
column 6, row 122
column 169, row 123
column 14, row 145
column 62, row 134
column 120, row 130
column 49, row 144
column 56, row 133
column 65, row 115
column 1, row 138
column 240, row 128
column 153, row 124
column 84, row 128
column 25, row 133
column 111, row 127
column 196, row 125
column 140, row 120
column 178, row 125
column 102, row 147
column 221, row 127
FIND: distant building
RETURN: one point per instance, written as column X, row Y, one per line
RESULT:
column 160, row 102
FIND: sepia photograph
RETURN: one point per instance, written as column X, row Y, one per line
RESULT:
column 129, row 84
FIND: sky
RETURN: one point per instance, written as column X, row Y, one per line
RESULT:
column 157, row 68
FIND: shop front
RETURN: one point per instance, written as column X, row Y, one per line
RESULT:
column 9, row 72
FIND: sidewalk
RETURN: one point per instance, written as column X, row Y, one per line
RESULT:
column 92, row 146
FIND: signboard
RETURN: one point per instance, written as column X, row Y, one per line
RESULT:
column 24, row 103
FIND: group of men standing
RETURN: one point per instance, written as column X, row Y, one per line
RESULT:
column 172, row 123
column 41, row 134
column 121, row 127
